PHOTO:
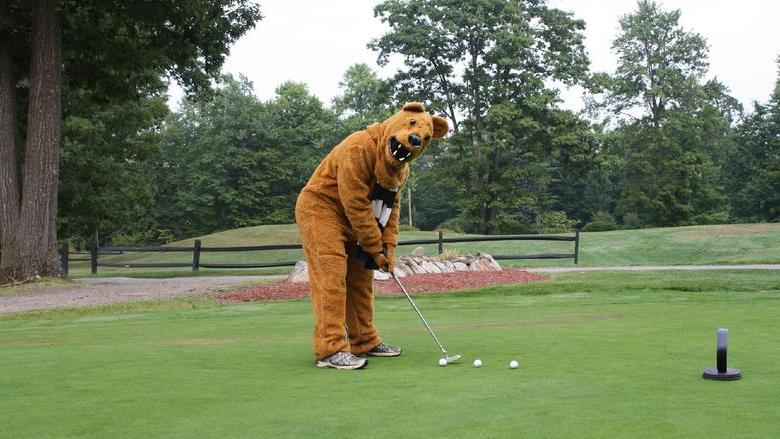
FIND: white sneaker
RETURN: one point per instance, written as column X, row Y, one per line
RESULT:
column 342, row 360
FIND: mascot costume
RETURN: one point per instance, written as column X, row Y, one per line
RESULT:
column 347, row 215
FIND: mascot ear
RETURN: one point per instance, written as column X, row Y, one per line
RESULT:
column 440, row 126
column 414, row 107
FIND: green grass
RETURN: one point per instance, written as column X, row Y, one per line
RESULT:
column 721, row 244
column 609, row 354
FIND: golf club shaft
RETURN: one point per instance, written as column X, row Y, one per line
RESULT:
column 419, row 314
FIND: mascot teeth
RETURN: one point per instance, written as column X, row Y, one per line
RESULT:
column 398, row 150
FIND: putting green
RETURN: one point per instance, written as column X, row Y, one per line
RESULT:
column 601, row 355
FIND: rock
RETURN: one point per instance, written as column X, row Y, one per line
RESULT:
column 430, row 267
column 381, row 275
column 475, row 266
column 488, row 262
column 460, row 266
column 300, row 273
column 450, row 268
column 440, row 265
column 404, row 267
column 416, row 268
column 418, row 252
column 399, row 271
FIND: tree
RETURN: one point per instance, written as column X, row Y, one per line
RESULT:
column 112, row 48
column 307, row 129
column 107, row 155
column 233, row 161
column 224, row 164
column 365, row 99
column 660, row 64
column 752, row 163
column 673, row 122
column 482, row 64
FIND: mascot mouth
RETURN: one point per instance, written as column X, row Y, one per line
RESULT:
column 398, row 150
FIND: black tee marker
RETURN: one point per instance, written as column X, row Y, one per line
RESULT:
column 722, row 372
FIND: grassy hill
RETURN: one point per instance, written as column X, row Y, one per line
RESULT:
column 718, row 244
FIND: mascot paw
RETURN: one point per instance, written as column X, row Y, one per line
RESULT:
column 382, row 262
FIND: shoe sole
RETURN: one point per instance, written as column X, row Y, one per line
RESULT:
column 326, row 365
column 383, row 354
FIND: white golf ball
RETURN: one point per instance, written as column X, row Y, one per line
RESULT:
column 477, row 363
column 442, row 361
column 513, row 364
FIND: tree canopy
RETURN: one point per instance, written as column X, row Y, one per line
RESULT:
column 88, row 143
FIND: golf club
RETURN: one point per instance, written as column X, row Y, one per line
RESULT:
column 447, row 358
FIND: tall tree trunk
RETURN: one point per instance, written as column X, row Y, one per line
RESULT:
column 32, row 251
column 409, row 191
column 9, row 179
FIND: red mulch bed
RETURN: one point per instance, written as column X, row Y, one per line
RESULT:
column 418, row 283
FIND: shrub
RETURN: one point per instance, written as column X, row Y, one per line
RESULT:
column 601, row 222
column 632, row 221
column 450, row 254
column 407, row 228
column 555, row 222
column 711, row 218
column 511, row 226
column 453, row 224
column 148, row 237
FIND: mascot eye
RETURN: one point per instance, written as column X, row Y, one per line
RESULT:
column 412, row 122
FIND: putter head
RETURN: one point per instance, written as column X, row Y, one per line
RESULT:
column 452, row 358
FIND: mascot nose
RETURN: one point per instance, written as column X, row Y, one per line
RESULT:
column 415, row 140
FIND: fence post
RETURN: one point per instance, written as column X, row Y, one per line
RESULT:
column 196, row 256
column 64, row 258
column 441, row 242
column 93, row 258
column 576, row 244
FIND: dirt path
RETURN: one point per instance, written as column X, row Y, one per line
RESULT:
column 99, row 291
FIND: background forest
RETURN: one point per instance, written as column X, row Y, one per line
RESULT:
column 661, row 143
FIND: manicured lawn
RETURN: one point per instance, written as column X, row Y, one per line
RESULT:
column 720, row 244
column 608, row 354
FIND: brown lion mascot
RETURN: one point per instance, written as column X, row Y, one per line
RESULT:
column 347, row 215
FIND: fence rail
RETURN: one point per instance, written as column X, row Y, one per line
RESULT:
column 197, row 249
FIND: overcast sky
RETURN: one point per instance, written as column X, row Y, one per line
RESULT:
column 314, row 41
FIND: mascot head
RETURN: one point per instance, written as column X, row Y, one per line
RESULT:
column 408, row 133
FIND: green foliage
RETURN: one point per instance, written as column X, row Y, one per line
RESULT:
column 145, row 238
column 675, row 149
column 452, row 224
column 366, row 99
column 106, row 162
column 667, row 172
column 232, row 161
column 407, row 228
column 660, row 63
column 669, row 175
column 555, row 222
column 632, row 221
column 751, row 163
column 117, row 60
column 601, row 222
column 306, row 129
column 484, row 65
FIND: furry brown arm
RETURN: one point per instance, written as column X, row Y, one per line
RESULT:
column 353, row 182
